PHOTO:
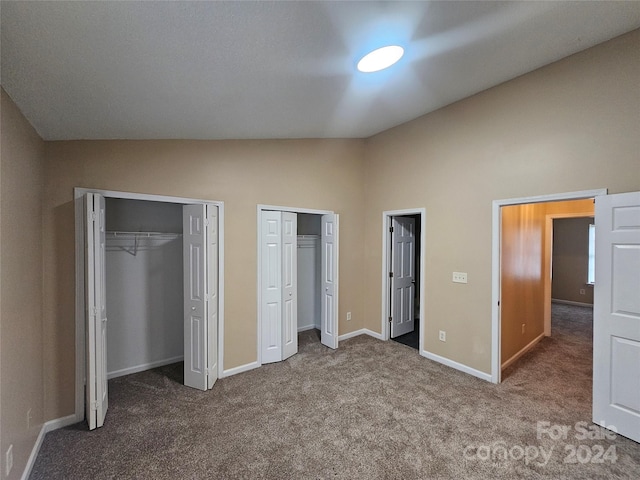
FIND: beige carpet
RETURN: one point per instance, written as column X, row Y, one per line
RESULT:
column 370, row 410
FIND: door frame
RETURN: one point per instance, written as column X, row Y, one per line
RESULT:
column 78, row 196
column 387, row 219
column 496, row 234
column 260, row 208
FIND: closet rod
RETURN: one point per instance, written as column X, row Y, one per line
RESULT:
column 142, row 234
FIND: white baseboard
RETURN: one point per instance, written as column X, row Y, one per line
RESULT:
column 242, row 368
column 458, row 366
column 571, row 302
column 362, row 331
column 373, row 334
column 143, row 367
column 304, row 328
column 523, row 351
column 46, row 428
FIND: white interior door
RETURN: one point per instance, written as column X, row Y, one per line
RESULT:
column 403, row 279
column 195, row 289
column 329, row 281
column 96, row 312
column 212, row 256
column 289, row 284
column 616, row 321
column 271, row 286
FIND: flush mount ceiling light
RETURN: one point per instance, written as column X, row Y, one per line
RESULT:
column 380, row 58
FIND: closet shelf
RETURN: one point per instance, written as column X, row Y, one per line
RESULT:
column 136, row 237
column 143, row 234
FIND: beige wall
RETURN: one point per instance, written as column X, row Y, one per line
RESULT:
column 571, row 260
column 573, row 125
column 318, row 174
column 21, row 167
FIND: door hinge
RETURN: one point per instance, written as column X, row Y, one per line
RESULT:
column 390, row 319
column 93, row 311
column 390, row 274
column 390, row 229
column 94, row 405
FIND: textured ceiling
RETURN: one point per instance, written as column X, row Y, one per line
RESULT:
column 217, row 70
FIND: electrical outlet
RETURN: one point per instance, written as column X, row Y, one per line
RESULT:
column 582, row 291
column 28, row 419
column 8, row 464
column 348, row 316
column 524, row 327
column 442, row 336
column 459, row 277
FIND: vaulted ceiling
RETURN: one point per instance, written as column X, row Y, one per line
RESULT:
column 285, row 69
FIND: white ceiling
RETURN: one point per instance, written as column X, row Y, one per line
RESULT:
column 217, row 70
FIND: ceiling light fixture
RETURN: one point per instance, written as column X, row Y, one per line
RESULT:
column 380, row 58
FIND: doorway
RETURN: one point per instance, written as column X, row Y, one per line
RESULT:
column 527, row 265
column 616, row 342
column 282, row 233
column 524, row 269
column 403, row 273
column 164, row 288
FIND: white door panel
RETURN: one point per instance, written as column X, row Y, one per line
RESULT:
column 97, row 400
column 616, row 323
column 271, row 286
column 289, row 285
column 212, row 295
column 195, row 305
column 329, row 281
column 403, row 280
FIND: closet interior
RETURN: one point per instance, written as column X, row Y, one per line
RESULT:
column 309, row 279
column 144, row 285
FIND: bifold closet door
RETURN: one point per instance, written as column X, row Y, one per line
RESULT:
column 200, row 250
column 329, row 281
column 278, row 285
column 97, row 400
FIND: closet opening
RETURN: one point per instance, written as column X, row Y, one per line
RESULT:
column 148, row 292
column 144, row 285
column 309, row 278
column 297, row 280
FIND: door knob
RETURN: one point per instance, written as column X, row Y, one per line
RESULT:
column 193, row 308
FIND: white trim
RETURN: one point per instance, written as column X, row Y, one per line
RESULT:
column 305, row 328
column 495, row 261
column 524, row 350
column 387, row 217
column 46, row 428
column 34, row 454
column 240, row 369
column 571, row 302
column 143, row 367
column 458, row 366
column 259, row 209
column 357, row 333
column 78, row 193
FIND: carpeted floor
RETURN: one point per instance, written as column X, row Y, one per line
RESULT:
column 370, row 410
